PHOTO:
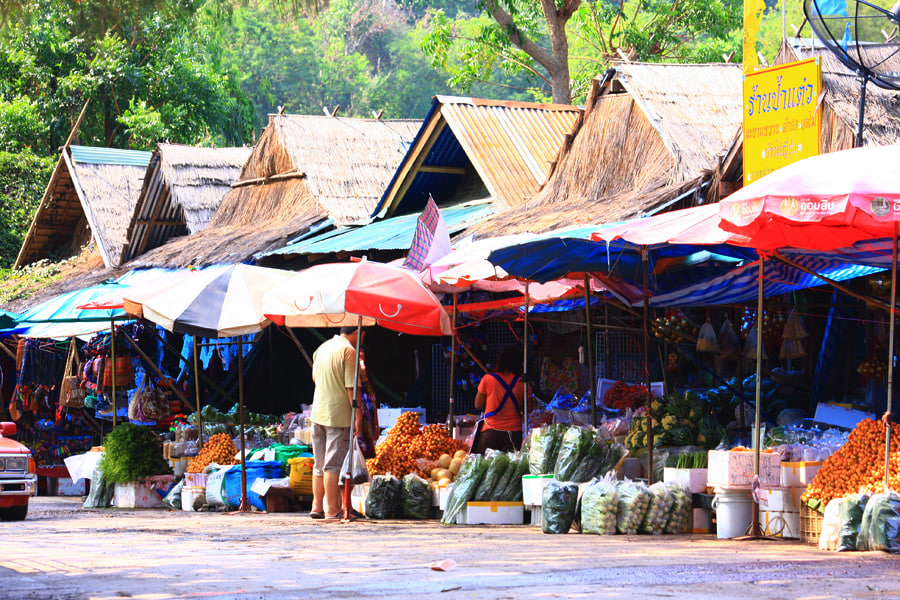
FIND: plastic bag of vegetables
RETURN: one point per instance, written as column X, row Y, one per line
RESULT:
column 383, row 498
column 633, row 500
column 880, row 527
column 512, row 492
column 680, row 513
column 575, row 446
column 467, row 480
column 661, row 501
column 558, row 507
column 498, row 465
column 499, row 491
column 852, row 508
column 543, row 448
column 599, row 504
column 415, row 501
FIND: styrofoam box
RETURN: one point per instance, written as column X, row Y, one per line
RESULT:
column 66, row 487
column 780, row 523
column 536, row 514
column 695, row 479
column 492, row 513
column 388, row 416
column 796, row 474
column 701, row 521
column 779, row 499
column 136, row 495
column 188, row 495
column 443, row 495
column 358, row 496
column 734, row 469
column 533, row 488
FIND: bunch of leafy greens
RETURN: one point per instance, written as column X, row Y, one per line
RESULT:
column 132, row 452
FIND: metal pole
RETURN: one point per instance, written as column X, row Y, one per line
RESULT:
column 112, row 358
column 525, row 368
column 592, row 384
column 890, row 368
column 451, row 414
column 245, row 503
column 864, row 79
column 754, row 522
column 197, row 395
column 348, row 477
column 645, row 258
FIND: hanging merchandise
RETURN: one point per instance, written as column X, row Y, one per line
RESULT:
column 750, row 346
column 706, row 338
column 794, row 332
column 71, row 394
column 729, row 343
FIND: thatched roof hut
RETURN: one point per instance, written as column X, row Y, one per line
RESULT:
column 303, row 170
column 840, row 108
column 182, row 190
column 650, row 134
column 471, row 148
column 90, row 197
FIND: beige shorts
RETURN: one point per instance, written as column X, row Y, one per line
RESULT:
column 330, row 447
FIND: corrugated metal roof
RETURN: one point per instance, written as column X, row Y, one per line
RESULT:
column 510, row 145
column 110, row 156
column 395, row 233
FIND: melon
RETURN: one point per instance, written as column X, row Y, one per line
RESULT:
column 434, row 473
column 460, row 454
column 455, row 465
column 444, row 460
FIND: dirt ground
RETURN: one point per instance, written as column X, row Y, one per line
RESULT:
column 62, row 551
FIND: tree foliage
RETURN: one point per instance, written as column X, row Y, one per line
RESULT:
column 23, row 177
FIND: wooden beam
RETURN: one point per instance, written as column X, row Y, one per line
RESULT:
column 440, row 169
column 161, row 198
column 153, row 222
column 271, row 178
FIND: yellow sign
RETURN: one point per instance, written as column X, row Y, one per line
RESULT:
column 781, row 120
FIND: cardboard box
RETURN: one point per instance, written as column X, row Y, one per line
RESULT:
column 780, row 523
column 780, row 499
column 695, row 479
column 799, row 474
column 533, row 488
column 136, row 495
column 735, row 469
column 492, row 513
column 701, row 521
column 832, row 414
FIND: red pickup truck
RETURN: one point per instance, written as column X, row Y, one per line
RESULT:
column 18, row 481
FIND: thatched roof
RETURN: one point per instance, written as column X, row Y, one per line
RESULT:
column 840, row 115
column 91, row 196
column 648, row 133
column 303, row 169
column 181, row 192
column 507, row 149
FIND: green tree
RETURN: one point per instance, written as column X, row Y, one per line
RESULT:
column 23, row 176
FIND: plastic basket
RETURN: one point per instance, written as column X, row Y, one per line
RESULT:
column 810, row 524
column 301, row 475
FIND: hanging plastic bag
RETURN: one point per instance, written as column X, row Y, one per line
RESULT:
column 852, row 508
column 706, row 338
column 467, row 480
column 382, row 501
column 750, row 347
column 360, row 472
column 558, row 507
column 416, row 497
column 599, row 504
column 729, row 343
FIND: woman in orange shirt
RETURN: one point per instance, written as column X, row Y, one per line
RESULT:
column 500, row 395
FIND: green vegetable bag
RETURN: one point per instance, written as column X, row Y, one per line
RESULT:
column 467, row 480
column 661, row 501
column 558, row 507
column 880, row 527
column 852, row 508
column 543, row 448
column 496, row 471
column 383, row 497
column 633, row 501
column 598, row 507
column 415, row 500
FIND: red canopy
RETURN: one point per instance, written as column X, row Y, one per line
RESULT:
column 820, row 203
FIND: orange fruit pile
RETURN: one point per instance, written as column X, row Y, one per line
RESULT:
column 858, row 466
column 219, row 449
column 406, row 442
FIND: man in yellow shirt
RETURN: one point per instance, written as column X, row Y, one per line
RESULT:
column 334, row 368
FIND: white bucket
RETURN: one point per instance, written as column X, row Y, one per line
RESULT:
column 734, row 511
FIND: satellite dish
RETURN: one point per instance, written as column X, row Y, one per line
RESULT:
column 865, row 40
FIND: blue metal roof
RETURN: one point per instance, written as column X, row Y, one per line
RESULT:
column 110, row 156
column 395, row 233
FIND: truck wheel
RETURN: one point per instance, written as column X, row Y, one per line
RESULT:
column 14, row 513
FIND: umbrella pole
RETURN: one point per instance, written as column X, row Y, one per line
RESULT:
column 451, row 418
column 525, row 367
column 592, row 376
column 754, row 521
column 245, row 503
column 890, row 369
column 197, row 396
column 645, row 258
column 112, row 358
column 348, row 477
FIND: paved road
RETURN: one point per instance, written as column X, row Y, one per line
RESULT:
column 65, row 552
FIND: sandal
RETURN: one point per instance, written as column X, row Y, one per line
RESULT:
column 316, row 514
column 333, row 518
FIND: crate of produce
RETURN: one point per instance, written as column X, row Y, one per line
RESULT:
column 196, row 480
column 301, row 475
column 810, row 524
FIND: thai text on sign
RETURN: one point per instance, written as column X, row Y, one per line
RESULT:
column 781, row 116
